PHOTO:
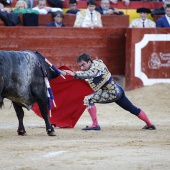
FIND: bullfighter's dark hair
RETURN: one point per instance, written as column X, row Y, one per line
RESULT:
column 91, row 2
column 84, row 57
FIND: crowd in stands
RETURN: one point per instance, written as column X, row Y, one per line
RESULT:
column 89, row 17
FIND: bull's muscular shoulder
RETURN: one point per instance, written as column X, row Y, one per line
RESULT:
column 21, row 76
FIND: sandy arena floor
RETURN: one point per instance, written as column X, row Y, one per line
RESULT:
column 120, row 145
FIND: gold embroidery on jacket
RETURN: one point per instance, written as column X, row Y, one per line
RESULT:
column 91, row 74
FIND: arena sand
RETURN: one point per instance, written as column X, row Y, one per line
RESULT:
column 121, row 144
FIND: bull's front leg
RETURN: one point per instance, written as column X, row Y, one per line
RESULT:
column 43, row 108
column 20, row 115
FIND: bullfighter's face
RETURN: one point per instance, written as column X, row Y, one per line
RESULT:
column 84, row 65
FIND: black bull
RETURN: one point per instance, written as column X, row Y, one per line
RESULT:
column 22, row 82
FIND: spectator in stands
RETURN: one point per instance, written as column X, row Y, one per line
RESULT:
column 56, row 3
column 1, row 6
column 6, row 2
column 126, row 2
column 20, row 4
column 58, row 18
column 164, row 21
column 143, row 21
column 43, row 9
column 104, row 8
column 30, row 3
column 88, row 18
column 3, row 9
column 73, row 7
column 21, row 8
column 161, row 11
column 8, row 16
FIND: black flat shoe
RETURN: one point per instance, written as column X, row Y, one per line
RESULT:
column 152, row 127
column 92, row 128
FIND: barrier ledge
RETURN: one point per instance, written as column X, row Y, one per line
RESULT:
column 147, row 57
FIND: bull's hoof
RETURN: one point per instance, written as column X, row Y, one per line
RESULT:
column 51, row 132
column 22, row 133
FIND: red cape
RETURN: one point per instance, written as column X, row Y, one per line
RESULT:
column 68, row 95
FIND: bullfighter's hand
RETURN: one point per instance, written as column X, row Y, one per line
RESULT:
column 71, row 73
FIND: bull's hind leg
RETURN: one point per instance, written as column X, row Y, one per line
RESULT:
column 20, row 114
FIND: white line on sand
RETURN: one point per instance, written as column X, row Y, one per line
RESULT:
column 54, row 153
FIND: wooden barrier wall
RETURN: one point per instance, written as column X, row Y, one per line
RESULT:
column 147, row 57
column 62, row 45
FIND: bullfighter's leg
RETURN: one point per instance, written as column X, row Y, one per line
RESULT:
column 20, row 114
